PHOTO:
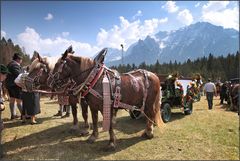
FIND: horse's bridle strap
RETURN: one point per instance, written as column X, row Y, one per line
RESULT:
column 92, row 83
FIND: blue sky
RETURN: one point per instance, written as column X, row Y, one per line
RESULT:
column 49, row 27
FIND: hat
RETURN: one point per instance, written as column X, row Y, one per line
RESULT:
column 209, row 79
column 3, row 69
column 17, row 56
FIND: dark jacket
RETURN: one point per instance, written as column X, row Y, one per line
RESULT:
column 15, row 69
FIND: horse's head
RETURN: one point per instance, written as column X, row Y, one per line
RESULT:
column 39, row 71
column 68, row 69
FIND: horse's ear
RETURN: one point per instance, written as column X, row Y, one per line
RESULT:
column 39, row 57
column 69, row 50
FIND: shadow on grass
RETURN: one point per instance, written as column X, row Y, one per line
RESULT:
column 16, row 123
column 227, row 108
column 58, row 143
column 127, row 125
column 176, row 116
column 130, row 126
column 51, row 102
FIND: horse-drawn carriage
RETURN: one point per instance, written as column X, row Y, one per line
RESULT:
column 175, row 94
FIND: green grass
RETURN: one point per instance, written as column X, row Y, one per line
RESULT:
column 203, row 135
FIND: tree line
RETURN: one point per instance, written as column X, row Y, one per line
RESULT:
column 8, row 48
column 221, row 67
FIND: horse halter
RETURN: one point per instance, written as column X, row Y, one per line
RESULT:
column 32, row 81
column 54, row 79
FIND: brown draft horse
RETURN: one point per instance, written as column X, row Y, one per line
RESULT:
column 39, row 71
column 73, row 68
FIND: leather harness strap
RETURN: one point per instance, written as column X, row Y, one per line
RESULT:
column 96, row 73
column 99, row 74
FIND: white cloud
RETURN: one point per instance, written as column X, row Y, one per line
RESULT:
column 125, row 33
column 217, row 13
column 170, row 6
column 138, row 14
column 185, row 17
column 215, row 6
column 65, row 34
column 3, row 34
column 197, row 5
column 31, row 40
column 48, row 17
column 128, row 32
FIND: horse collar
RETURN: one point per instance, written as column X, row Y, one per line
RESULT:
column 90, row 81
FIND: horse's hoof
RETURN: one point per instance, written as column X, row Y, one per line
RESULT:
column 147, row 136
column 72, row 131
column 110, row 147
column 84, row 132
column 91, row 139
column 86, row 126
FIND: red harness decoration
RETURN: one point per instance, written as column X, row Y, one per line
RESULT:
column 92, row 83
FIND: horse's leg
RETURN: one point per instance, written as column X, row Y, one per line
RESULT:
column 112, row 142
column 152, row 111
column 75, row 119
column 114, row 118
column 84, row 107
column 148, row 132
column 94, row 134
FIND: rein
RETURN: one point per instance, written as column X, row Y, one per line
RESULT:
column 48, row 92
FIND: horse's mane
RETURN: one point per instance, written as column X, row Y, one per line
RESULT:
column 84, row 62
column 50, row 61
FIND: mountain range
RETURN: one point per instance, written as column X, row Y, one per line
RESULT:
column 190, row 42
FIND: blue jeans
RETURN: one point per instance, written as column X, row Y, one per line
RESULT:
column 210, row 99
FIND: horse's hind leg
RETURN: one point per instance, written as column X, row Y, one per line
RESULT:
column 148, row 132
column 150, row 118
column 94, row 134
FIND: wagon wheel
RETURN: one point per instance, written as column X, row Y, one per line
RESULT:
column 135, row 114
column 188, row 109
column 166, row 112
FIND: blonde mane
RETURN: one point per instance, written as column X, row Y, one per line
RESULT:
column 51, row 61
column 84, row 62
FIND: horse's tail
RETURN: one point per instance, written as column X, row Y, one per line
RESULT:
column 157, row 104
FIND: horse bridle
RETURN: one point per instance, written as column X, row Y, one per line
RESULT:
column 54, row 79
column 31, row 82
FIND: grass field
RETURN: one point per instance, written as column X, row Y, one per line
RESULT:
column 211, row 135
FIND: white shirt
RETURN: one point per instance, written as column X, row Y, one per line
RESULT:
column 20, row 80
column 210, row 87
